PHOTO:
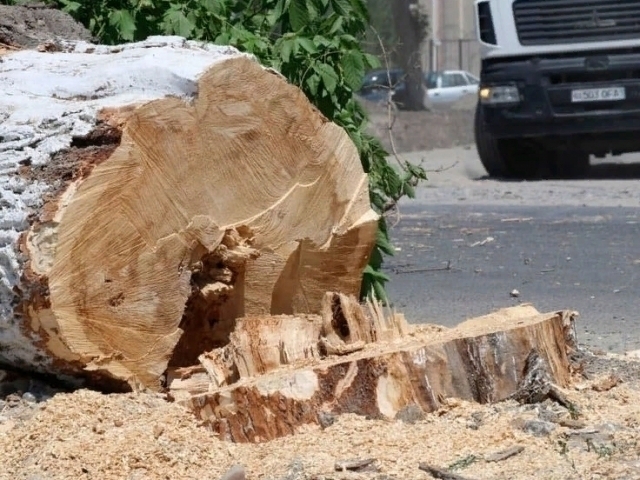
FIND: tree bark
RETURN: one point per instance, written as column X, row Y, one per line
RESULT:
column 155, row 192
column 271, row 380
column 411, row 31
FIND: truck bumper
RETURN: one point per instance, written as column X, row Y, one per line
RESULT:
column 546, row 108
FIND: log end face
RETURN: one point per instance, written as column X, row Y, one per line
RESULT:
column 117, row 237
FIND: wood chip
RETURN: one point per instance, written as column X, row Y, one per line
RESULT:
column 355, row 464
column 571, row 423
column 504, row 454
column 440, row 474
column 607, row 383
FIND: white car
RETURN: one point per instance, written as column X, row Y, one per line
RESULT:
column 448, row 86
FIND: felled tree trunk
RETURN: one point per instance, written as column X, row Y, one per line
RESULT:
column 154, row 192
column 272, row 380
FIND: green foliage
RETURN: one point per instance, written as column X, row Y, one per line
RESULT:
column 315, row 44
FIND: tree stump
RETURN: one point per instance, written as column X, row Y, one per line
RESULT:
column 152, row 193
column 271, row 380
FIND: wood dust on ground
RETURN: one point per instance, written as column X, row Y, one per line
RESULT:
column 88, row 435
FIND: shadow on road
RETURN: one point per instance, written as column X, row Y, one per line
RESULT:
column 614, row 171
column 600, row 171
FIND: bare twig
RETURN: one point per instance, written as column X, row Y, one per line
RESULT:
column 443, row 168
column 390, row 117
column 355, row 464
column 392, row 204
column 446, row 268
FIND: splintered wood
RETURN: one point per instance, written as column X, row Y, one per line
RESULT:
column 277, row 375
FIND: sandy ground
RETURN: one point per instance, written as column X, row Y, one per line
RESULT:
column 87, row 435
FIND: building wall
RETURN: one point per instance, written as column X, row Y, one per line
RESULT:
column 452, row 41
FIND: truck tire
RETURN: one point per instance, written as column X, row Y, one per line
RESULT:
column 517, row 159
column 487, row 147
column 510, row 159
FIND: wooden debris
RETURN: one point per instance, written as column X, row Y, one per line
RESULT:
column 504, row 454
column 571, row 423
column 607, row 383
column 441, row 474
column 481, row 360
column 537, row 384
column 356, row 465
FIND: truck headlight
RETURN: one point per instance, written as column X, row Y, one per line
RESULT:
column 499, row 94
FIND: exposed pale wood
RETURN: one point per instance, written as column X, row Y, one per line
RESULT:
column 262, row 344
column 483, row 359
column 158, row 192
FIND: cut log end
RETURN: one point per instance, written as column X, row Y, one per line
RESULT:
column 184, row 201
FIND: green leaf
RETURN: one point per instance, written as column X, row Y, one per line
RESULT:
column 307, row 44
column 222, row 39
column 376, row 274
column 383, row 242
column 329, row 76
column 342, row 7
column 371, row 60
column 348, row 39
column 280, row 8
column 70, row 7
column 360, row 9
column 312, row 11
column 381, row 294
column 213, row 6
column 286, row 46
column 353, row 66
column 313, row 84
column 356, row 138
column 408, row 190
column 298, row 14
column 337, row 25
column 124, row 24
column 177, row 23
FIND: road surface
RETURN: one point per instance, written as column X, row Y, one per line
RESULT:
column 466, row 242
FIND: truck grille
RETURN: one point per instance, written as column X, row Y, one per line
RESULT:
column 547, row 22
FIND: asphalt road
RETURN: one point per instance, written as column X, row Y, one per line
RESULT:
column 467, row 242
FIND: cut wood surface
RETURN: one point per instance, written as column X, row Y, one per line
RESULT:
column 152, row 193
column 266, row 392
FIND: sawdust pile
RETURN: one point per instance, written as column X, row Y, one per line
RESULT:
column 87, row 435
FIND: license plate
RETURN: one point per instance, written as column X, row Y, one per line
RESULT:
column 598, row 94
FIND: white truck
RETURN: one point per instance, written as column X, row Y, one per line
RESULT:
column 560, row 81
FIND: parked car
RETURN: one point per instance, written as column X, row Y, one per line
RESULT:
column 449, row 86
column 442, row 86
column 377, row 83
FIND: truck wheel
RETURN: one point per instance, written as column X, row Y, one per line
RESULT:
column 513, row 158
column 487, row 147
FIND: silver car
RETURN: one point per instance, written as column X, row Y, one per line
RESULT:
column 448, row 86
